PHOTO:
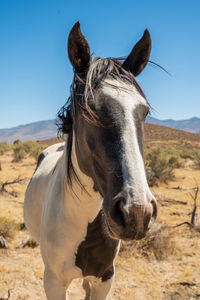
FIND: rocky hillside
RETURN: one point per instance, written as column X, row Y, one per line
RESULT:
column 191, row 125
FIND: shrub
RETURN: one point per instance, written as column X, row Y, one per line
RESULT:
column 159, row 165
column 187, row 153
column 17, row 142
column 21, row 149
column 192, row 154
column 21, row 226
column 4, row 147
column 7, row 227
column 32, row 148
column 197, row 160
column 18, row 152
column 31, row 243
column 159, row 243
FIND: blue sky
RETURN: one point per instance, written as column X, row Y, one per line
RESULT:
column 35, row 73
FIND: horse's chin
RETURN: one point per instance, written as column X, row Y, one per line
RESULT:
column 111, row 233
column 124, row 237
column 115, row 233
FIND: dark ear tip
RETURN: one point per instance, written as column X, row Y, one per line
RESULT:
column 139, row 56
column 147, row 38
column 77, row 24
column 146, row 33
column 76, row 27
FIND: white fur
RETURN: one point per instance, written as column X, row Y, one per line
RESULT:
column 134, row 107
column 100, row 290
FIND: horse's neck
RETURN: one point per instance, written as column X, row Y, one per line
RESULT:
column 79, row 197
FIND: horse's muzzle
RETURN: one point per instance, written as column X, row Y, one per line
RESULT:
column 130, row 221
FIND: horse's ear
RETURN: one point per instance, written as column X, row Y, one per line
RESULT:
column 78, row 49
column 139, row 56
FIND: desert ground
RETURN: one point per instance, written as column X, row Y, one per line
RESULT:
column 165, row 265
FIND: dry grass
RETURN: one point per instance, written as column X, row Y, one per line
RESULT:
column 159, row 243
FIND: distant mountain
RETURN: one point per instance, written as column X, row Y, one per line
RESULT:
column 191, row 125
column 34, row 131
column 48, row 129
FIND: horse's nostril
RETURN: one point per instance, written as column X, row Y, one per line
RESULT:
column 133, row 220
column 147, row 219
column 154, row 205
column 118, row 212
column 154, row 212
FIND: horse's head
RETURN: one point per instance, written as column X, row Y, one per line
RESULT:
column 108, row 110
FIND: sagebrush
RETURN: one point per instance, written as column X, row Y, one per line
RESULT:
column 160, row 165
column 20, row 150
column 7, row 227
column 4, row 147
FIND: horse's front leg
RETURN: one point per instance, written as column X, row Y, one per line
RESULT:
column 100, row 290
column 55, row 289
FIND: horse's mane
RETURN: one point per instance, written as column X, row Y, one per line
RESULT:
column 83, row 88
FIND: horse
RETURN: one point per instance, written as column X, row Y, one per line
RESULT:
column 90, row 192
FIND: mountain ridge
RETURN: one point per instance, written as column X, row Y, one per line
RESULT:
column 32, row 131
column 46, row 129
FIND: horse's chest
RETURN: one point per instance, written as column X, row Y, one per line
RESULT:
column 96, row 253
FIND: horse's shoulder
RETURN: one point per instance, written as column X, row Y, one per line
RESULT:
column 50, row 155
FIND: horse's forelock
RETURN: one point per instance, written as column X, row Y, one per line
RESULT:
column 84, row 87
